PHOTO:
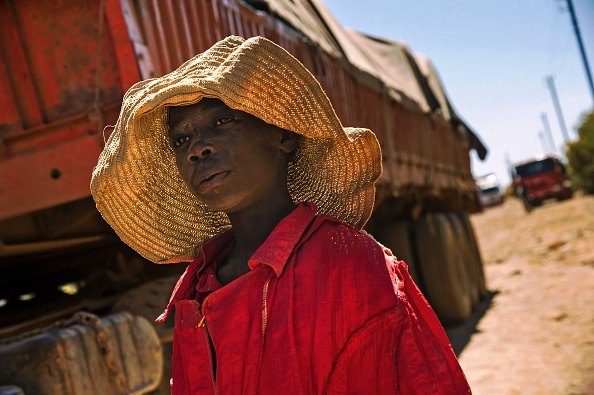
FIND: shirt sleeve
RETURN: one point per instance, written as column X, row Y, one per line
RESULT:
column 403, row 350
column 425, row 360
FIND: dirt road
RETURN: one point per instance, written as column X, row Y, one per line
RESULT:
column 535, row 333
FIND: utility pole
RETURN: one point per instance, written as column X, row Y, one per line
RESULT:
column 557, row 106
column 510, row 168
column 543, row 142
column 578, row 35
column 547, row 129
column 508, row 162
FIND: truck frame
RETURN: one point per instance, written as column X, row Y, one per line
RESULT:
column 64, row 68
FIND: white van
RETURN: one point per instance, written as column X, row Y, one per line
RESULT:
column 489, row 190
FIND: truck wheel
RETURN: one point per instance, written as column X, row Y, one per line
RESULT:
column 527, row 206
column 476, row 253
column 567, row 195
column 149, row 300
column 446, row 283
column 397, row 237
column 467, row 261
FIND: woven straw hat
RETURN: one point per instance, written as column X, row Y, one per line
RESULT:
column 136, row 184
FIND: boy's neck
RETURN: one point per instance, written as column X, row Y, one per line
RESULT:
column 251, row 228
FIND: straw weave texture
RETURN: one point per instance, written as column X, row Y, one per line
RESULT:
column 136, row 184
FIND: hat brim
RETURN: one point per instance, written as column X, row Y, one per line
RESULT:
column 136, row 184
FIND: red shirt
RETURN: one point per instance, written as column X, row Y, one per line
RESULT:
column 324, row 310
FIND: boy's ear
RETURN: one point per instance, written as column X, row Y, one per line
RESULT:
column 288, row 141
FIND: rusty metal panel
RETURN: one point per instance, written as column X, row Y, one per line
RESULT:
column 64, row 66
column 119, row 28
column 51, row 76
column 15, row 64
column 55, row 174
column 150, row 36
column 183, row 19
column 53, row 54
column 198, row 34
column 9, row 115
column 174, row 31
column 118, row 354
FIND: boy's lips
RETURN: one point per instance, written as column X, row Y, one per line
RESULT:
column 211, row 181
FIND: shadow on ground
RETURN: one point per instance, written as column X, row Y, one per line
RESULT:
column 460, row 335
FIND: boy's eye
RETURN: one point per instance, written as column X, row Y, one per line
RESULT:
column 178, row 141
column 223, row 120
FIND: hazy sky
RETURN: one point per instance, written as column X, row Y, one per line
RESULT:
column 493, row 58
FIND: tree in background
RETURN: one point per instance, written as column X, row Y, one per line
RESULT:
column 580, row 155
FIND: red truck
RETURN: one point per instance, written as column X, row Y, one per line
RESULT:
column 64, row 68
column 541, row 178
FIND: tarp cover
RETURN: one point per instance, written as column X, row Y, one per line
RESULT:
column 410, row 79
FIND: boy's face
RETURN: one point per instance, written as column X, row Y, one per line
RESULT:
column 229, row 159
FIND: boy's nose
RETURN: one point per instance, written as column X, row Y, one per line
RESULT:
column 200, row 151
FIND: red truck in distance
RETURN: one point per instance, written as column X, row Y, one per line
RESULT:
column 541, row 178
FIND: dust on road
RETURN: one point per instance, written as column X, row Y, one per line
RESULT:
column 535, row 334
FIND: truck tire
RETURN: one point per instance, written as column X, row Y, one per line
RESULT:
column 467, row 262
column 397, row 237
column 149, row 300
column 478, row 260
column 446, row 283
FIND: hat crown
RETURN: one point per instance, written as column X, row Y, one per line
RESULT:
column 137, row 187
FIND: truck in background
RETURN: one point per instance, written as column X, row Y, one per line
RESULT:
column 64, row 68
column 489, row 190
column 541, row 178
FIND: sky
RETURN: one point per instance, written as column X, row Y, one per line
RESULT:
column 493, row 58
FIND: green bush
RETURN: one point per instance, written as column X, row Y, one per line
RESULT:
column 580, row 155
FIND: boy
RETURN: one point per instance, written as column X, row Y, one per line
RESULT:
column 237, row 162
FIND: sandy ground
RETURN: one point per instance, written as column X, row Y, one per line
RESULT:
column 535, row 333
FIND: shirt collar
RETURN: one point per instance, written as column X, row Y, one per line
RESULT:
column 274, row 252
column 279, row 245
column 186, row 285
